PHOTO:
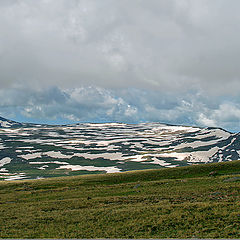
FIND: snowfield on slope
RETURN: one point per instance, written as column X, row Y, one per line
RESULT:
column 40, row 151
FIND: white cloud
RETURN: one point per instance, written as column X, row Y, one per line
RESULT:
column 205, row 121
column 174, row 61
column 95, row 104
column 160, row 45
column 227, row 112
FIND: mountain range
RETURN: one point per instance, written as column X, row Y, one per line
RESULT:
column 33, row 151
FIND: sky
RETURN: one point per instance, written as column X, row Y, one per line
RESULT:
column 169, row 61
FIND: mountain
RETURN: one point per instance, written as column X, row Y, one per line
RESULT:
column 39, row 151
column 5, row 123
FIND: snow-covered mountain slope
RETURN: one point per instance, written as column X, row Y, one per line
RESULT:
column 5, row 123
column 33, row 151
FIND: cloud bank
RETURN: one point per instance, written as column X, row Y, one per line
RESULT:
column 95, row 104
column 174, row 61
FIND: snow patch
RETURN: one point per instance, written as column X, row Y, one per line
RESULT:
column 5, row 124
column 5, row 161
column 90, row 168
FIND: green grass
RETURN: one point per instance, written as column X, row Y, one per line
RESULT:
column 182, row 202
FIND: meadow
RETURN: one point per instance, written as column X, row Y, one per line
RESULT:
column 198, row 201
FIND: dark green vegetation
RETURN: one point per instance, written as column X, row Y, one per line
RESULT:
column 199, row 201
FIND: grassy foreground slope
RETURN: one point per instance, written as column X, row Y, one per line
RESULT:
column 182, row 202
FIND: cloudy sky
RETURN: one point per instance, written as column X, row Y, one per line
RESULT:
column 172, row 61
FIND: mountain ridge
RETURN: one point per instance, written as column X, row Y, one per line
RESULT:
column 8, row 123
column 71, row 124
column 40, row 150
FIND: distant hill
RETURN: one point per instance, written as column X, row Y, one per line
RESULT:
column 40, row 151
column 5, row 123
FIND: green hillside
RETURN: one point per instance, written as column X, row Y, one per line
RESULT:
column 199, row 201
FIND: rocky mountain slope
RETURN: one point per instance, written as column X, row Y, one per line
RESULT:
column 38, row 151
